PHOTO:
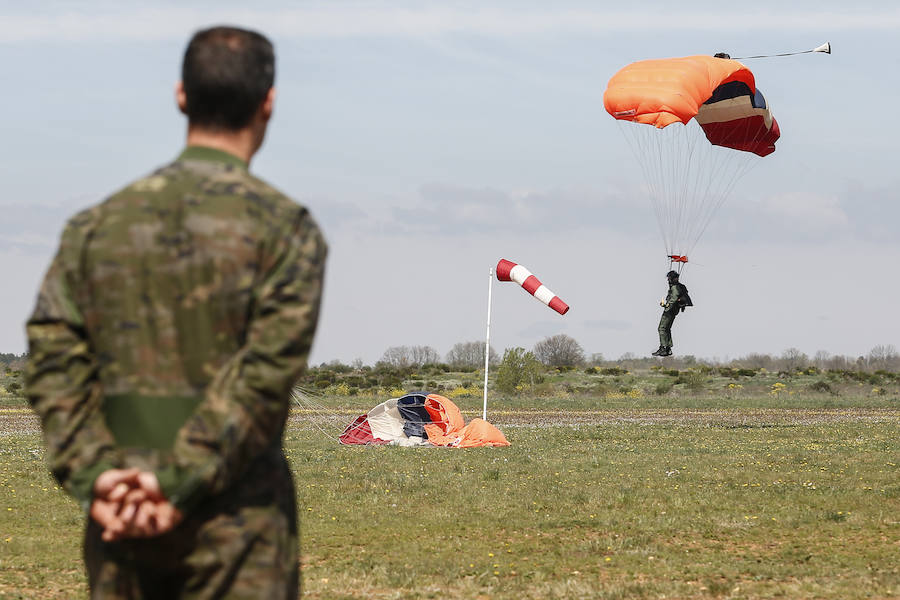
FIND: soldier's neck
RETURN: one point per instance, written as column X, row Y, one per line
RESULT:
column 242, row 143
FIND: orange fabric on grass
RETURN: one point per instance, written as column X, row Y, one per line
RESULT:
column 481, row 433
column 449, row 428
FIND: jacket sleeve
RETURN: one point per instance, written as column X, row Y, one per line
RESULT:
column 245, row 407
column 61, row 380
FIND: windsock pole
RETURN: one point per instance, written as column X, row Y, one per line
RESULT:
column 487, row 342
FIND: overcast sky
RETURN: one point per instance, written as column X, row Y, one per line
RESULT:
column 432, row 139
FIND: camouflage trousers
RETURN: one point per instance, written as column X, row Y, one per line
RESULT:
column 242, row 545
column 665, row 328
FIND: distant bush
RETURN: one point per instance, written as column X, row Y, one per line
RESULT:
column 518, row 371
column 693, row 380
column 337, row 366
column 822, row 386
column 590, row 371
column 858, row 376
column 613, row 371
column 736, row 373
column 887, row 375
column 623, row 393
column 728, row 372
column 664, row 387
column 600, row 389
column 464, row 392
column 391, row 382
column 341, row 389
column 324, row 377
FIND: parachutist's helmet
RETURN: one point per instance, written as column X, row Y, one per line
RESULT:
column 721, row 55
column 672, row 275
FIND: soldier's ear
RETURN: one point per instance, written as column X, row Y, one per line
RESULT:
column 181, row 97
column 268, row 104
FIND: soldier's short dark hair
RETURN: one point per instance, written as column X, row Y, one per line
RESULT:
column 226, row 74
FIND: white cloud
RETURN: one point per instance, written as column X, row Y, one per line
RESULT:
column 110, row 21
column 809, row 211
column 27, row 240
column 446, row 208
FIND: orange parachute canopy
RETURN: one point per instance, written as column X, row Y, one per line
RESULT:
column 701, row 97
column 662, row 91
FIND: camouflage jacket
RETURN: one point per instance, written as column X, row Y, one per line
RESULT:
column 174, row 320
column 676, row 299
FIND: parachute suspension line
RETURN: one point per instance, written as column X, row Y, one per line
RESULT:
column 668, row 197
column 658, row 182
column 666, row 178
column 675, row 201
column 676, row 175
column 722, row 168
column 689, row 190
column 739, row 173
column 701, row 191
column 687, row 179
column 706, row 192
column 652, row 170
column 640, row 144
column 736, row 165
column 316, row 415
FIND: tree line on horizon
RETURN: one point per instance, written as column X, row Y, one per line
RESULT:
column 564, row 351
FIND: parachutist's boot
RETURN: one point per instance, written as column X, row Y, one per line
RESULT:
column 667, row 351
column 661, row 351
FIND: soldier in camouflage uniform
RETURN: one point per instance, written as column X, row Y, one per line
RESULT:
column 676, row 301
column 167, row 335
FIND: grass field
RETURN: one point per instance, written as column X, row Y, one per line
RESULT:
column 713, row 494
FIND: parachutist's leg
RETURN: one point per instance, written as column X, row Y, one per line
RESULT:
column 665, row 329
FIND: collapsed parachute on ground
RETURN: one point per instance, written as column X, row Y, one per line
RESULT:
column 691, row 169
column 420, row 419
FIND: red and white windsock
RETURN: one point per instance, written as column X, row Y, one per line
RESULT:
column 510, row 271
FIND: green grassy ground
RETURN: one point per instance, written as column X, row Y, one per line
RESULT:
column 715, row 494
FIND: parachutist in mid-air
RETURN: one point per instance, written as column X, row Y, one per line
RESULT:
column 696, row 124
column 674, row 303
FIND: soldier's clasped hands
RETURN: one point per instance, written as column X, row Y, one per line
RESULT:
column 128, row 503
